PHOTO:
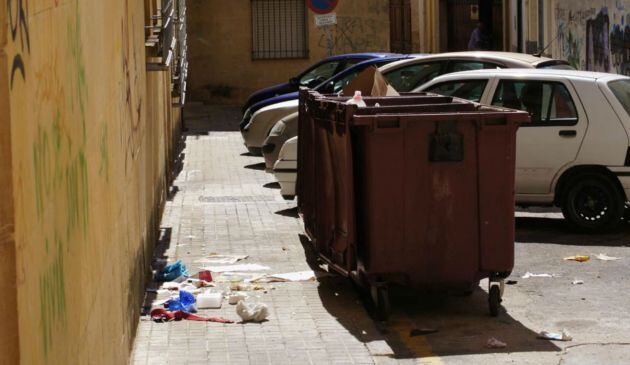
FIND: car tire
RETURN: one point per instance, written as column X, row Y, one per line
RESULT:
column 593, row 203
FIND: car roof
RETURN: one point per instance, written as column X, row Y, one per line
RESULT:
column 360, row 55
column 532, row 73
column 522, row 59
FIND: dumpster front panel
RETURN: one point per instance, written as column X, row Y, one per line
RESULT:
column 419, row 217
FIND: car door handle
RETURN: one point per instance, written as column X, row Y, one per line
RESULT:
column 567, row 133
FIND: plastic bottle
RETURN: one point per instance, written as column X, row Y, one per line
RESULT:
column 357, row 100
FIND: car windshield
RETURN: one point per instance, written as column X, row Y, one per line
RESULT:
column 621, row 89
column 319, row 74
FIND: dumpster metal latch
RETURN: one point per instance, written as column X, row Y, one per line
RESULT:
column 446, row 144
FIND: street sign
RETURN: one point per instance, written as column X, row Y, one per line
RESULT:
column 323, row 20
column 322, row 6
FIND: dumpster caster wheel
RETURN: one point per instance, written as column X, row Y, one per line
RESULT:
column 494, row 300
column 380, row 297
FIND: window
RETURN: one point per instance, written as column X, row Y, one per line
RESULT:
column 621, row 89
column 548, row 103
column 319, row 74
column 408, row 78
column 457, row 66
column 470, row 89
column 279, row 29
column 344, row 81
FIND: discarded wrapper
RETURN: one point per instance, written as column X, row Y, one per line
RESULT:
column 604, row 257
column 562, row 336
column 493, row 343
column 578, row 258
column 530, row 275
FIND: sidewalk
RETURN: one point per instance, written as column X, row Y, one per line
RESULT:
column 227, row 204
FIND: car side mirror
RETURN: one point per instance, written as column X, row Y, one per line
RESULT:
column 294, row 81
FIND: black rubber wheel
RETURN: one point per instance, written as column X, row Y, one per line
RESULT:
column 494, row 300
column 380, row 297
column 593, row 203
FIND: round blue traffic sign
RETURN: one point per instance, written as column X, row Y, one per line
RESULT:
column 322, row 6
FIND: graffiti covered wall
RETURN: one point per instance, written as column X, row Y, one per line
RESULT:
column 86, row 175
column 594, row 34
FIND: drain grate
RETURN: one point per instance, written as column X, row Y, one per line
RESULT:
column 236, row 199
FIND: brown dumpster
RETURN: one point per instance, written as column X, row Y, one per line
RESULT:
column 417, row 191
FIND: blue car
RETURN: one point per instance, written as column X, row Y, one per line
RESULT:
column 331, row 85
column 313, row 76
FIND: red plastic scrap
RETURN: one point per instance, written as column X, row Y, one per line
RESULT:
column 162, row 315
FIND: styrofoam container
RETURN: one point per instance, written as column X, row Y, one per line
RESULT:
column 209, row 300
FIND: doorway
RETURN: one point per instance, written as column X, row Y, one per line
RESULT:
column 462, row 17
column 400, row 26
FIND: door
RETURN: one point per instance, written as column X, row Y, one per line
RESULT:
column 553, row 138
column 463, row 16
column 400, row 26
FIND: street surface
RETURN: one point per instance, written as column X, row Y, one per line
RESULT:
column 225, row 203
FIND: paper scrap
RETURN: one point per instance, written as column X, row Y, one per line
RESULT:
column 577, row 282
column 604, row 257
column 493, row 343
column 233, row 268
column 289, row 277
column 562, row 336
column 222, row 259
column 530, row 275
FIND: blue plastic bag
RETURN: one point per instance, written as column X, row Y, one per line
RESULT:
column 186, row 303
column 172, row 271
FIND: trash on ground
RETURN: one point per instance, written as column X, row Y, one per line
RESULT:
column 233, row 268
column 531, row 275
column 172, row 272
column 578, row 258
column 185, row 302
column 205, row 275
column 221, row 259
column 493, row 343
column 161, row 315
column 577, row 282
column 236, row 297
column 604, row 257
column 562, row 336
column 252, row 312
column 288, row 277
column 209, row 300
column 422, row 332
column 511, row 282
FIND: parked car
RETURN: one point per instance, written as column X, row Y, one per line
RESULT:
column 313, row 76
column 406, row 75
column 260, row 117
column 575, row 154
column 283, row 130
column 285, row 169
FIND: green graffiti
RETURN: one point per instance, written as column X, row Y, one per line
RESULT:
column 76, row 54
column 52, row 293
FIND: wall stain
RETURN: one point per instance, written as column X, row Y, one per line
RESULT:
column 18, row 25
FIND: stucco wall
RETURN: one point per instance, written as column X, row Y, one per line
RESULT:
column 593, row 34
column 87, row 169
column 220, row 39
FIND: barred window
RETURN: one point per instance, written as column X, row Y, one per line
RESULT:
column 279, row 29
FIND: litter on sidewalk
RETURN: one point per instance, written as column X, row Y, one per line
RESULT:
column 577, row 282
column 162, row 315
column 578, row 258
column 221, row 259
column 185, row 302
column 555, row 336
column 604, row 257
column 209, row 300
column 531, row 275
column 171, row 272
column 233, row 268
column 493, row 343
column 236, row 297
column 252, row 312
column 288, row 277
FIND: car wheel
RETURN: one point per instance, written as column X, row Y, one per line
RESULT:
column 593, row 203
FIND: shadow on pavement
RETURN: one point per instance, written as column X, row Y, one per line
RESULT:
column 200, row 119
column 272, row 185
column 457, row 325
column 257, row 166
column 290, row 212
column 158, row 262
column 558, row 231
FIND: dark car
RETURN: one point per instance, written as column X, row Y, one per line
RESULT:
column 327, row 86
column 313, row 76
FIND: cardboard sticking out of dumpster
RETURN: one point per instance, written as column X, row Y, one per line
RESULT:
column 370, row 82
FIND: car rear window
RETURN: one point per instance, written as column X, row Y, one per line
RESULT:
column 621, row 89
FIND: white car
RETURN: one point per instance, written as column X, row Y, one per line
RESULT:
column 285, row 168
column 575, row 154
column 404, row 75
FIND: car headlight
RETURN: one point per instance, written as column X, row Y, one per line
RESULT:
column 278, row 129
